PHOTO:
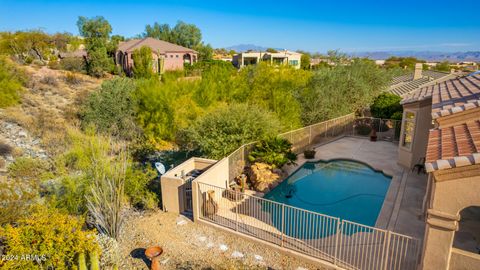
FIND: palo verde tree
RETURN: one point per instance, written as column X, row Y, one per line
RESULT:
column 223, row 130
column 184, row 34
column 27, row 46
column 96, row 32
column 142, row 59
column 341, row 90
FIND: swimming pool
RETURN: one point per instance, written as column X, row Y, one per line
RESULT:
column 345, row 189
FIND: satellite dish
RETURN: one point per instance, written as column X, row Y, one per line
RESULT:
column 160, row 168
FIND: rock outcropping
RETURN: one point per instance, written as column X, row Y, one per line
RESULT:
column 263, row 177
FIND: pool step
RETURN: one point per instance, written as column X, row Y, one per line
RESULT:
column 348, row 167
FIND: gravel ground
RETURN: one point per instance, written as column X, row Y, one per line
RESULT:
column 194, row 246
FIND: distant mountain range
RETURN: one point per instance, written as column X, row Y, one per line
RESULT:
column 248, row 47
column 424, row 55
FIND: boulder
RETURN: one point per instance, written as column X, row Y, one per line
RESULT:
column 263, row 177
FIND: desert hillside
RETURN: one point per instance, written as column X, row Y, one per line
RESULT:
column 37, row 127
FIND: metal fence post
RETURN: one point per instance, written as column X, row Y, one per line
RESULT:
column 236, row 211
column 337, row 242
column 386, row 250
column 283, row 224
column 310, row 136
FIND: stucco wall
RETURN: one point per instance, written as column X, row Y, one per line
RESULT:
column 463, row 260
column 173, row 61
column 171, row 183
column 423, row 123
column 452, row 191
column 452, row 196
column 172, row 195
column 217, row 175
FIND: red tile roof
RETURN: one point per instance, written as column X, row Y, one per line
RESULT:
column 449, row 97
column 155, row 44
column 456, row 95
column 454, row 146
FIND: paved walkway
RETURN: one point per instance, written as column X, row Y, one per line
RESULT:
column 402, row 208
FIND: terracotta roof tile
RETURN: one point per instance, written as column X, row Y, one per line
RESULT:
column 155, row 44
column 450, row 96
column 453, row 146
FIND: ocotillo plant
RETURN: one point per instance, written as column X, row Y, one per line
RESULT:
column 105, row 200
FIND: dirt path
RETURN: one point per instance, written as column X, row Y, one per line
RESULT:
column 195, row 246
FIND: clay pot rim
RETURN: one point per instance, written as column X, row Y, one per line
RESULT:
column 154, row 251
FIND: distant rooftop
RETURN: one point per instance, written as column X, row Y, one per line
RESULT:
column 405, row 84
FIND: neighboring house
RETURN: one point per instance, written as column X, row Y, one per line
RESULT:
column 278, row 58
column 472, row 66
column 223, row 57
column 74, row 54
column 166, row 56
column 441, row 128
column 405, row 84
column 316, row 61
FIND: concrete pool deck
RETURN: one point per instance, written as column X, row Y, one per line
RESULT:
column 402, row 208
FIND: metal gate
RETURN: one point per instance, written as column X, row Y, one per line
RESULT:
column 187, row 196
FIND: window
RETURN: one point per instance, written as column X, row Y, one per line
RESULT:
column 408, row 129
column 293, row 62
column 171, row 55
column 176, row 55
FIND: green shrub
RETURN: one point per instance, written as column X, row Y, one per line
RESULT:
column 46, row 232
column 363, row 129
column 76, row 64
column 53, row 62
column 29, row 169
column 15, row 200
column 98, row 62
column 397, row 116
column 68, row 193
column 11, row 81
column 386, row 105
column 220, row 132
column 141, row 188
column 142, row 59
column 274, row 151
column 111, row 109
column 49, row 80
column 72, row 79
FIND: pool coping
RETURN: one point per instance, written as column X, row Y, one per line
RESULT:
column 390, row 203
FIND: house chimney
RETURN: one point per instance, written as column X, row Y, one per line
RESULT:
column 418, row 71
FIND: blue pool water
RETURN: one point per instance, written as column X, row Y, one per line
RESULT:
column 340, row 188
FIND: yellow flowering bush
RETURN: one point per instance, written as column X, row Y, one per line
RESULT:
column 47, row 239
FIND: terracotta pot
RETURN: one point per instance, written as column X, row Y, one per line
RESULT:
column 153, row 253
column 373, row 135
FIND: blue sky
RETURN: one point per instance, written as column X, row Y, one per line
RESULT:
column 346, row 25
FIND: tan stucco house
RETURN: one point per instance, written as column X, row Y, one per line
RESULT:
column 441, row 127
column 277, row 58
column 166, row 56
